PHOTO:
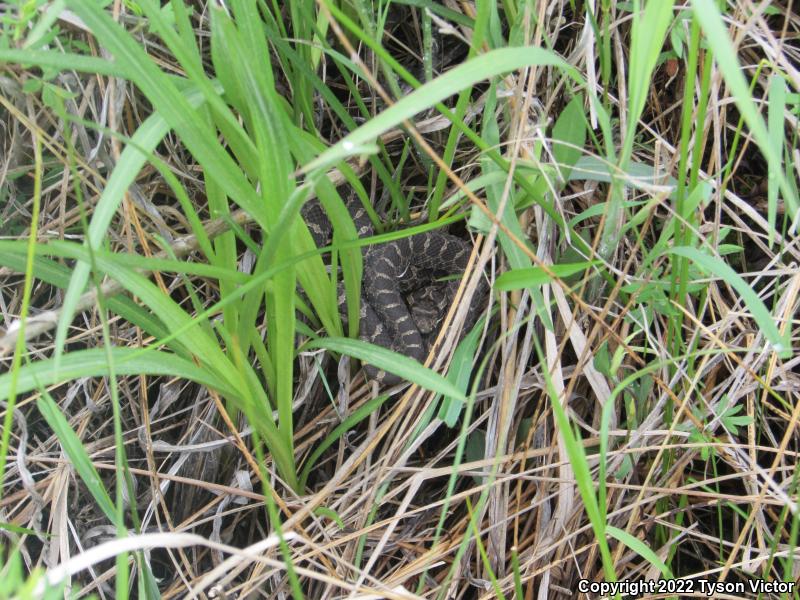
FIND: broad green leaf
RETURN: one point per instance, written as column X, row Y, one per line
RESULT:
column 648, row 33
column 504, row 211
column 193, row 337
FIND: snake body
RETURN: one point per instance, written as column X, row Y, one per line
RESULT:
column 404, row 296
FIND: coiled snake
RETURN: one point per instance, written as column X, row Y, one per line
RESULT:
column 404, row 297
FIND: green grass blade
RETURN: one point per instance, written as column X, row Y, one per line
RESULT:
column 647, row 39
column 391, row 362
column 440, row 9
column 487, row 565
column 194, row 339
column 76, row 453
column 21, row 531
column 569, row 136
column 761, row 315
column 775, row 119
column 58, row 275
column 478, row 69
column 350, row 422
column 706, row 12
column 530, row 277
column 640, row 548
column 460, row 372
column 63, row 61
column 130, row 163
column 583, row 476
column 93, row 363
column 27, row 287
column 172, row 104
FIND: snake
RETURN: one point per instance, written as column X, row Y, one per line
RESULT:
column 407, row 285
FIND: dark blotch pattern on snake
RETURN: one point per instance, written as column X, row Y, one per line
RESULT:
column 403, row 297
